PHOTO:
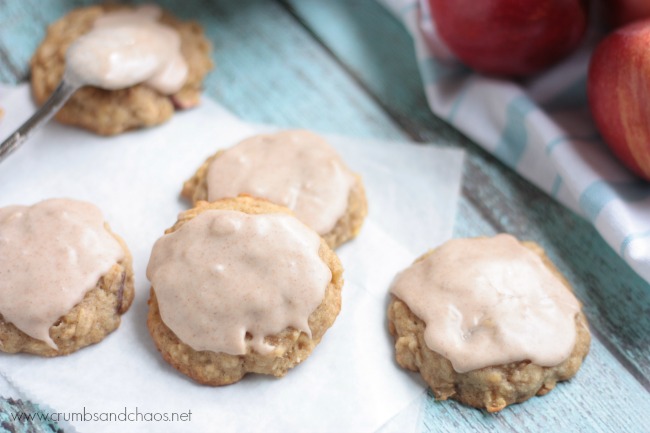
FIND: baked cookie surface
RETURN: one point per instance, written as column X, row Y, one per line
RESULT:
column 272, row 354
column 99, row 311
column 110, row 112
column 295, row 168
column 492, row 385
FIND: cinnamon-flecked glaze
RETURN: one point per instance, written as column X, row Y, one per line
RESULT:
column 490, row 301
column 225, row 279
column 127, row 47
column 297, row 169
column 290, row 346
column 51, row 255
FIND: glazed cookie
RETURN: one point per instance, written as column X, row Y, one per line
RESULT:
column 110, row 112
column 487, row 321
column 65, row 278
column 240, row 286
column 296, row 169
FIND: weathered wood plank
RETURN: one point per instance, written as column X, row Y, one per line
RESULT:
column 23, row 26
column 374, row 47
column 269, row 70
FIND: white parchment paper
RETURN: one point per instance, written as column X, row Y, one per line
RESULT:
column 350, row 383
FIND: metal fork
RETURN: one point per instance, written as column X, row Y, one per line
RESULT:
column 63, row 92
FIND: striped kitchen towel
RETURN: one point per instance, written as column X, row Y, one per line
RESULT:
column 541, row 128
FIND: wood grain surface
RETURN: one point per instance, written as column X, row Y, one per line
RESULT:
column 348, row 67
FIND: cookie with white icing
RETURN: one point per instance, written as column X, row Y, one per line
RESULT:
column 65, row 277
column 240, row 286
column 487, row 321
column 295, row 168
column 110, row 112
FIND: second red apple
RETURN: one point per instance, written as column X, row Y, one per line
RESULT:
column 510, row 37
column 619, row 94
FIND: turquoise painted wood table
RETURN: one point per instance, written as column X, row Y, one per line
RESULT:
column 347, row 67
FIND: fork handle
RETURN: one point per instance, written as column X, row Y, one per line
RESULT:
column 62, row 93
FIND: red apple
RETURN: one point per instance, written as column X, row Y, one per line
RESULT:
column 619, row 94
column 623, row 12
column 510, row 37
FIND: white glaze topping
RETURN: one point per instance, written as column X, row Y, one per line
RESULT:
column 51, row 254
column 489, row 302
column 224, row 274
column 296, row 169
column 128, row 47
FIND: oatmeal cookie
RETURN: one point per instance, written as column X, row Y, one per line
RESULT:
column 282, row 350
column 305, row 173
column 89, row 321
column 491, row 387
column 110, row 112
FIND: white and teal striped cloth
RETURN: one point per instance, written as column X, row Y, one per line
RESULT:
column 541, row 128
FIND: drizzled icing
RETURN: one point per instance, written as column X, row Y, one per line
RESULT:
column 128, row 47
column 51, row 254
column 297, row 169
column 225, row 274
column 489, row 302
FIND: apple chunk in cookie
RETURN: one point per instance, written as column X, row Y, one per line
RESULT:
column 487, row 321
column 240, row 286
